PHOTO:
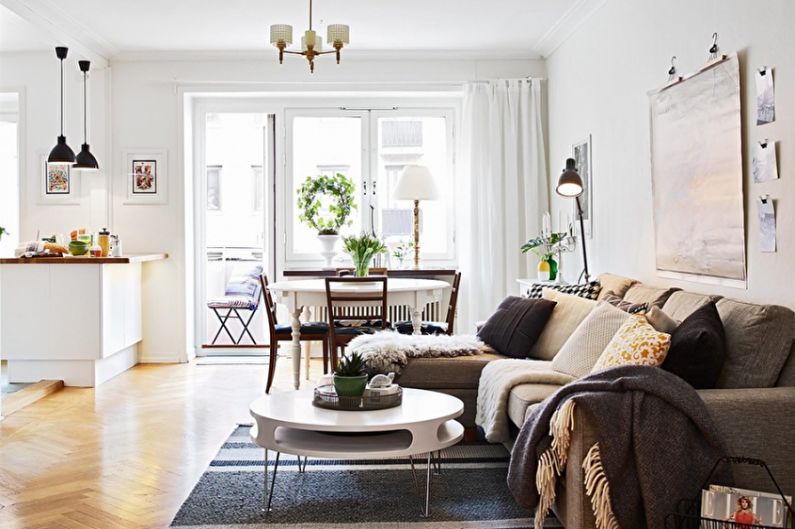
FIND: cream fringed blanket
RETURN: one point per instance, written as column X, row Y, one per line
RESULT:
column 497, row 380
column 655, row 443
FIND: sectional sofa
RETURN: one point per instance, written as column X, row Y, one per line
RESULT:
column 754, row 404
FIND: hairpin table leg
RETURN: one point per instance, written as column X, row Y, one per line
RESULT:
column 429, row 465
column 269, row 491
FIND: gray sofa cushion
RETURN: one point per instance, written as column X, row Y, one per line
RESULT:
column 682, row 304
column 758, row 343
column 787, row 376
column 640, row 293
column 460, row 372
column 525, row 395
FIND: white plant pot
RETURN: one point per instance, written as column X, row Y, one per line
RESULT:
column 328, row 244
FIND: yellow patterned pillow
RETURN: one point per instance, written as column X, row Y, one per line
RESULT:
column 635, row 343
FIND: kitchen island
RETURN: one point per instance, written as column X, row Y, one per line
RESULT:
column 76, row 319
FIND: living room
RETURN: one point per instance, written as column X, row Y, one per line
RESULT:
column 532, row 190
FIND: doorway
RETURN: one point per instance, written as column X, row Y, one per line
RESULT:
column 235, row 165
column 9, row 172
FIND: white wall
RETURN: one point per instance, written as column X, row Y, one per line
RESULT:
column 598, row 84
column 35, row 75
column 147, row 113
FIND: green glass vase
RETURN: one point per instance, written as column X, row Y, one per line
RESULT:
column 553, row 268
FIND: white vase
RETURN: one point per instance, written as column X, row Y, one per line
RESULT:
column 328, row 244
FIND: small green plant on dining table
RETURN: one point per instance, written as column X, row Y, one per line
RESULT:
column 362, row 249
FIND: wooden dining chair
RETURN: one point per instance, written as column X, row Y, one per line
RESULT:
column 339, row 303
column 310, row 332
column 437, row 327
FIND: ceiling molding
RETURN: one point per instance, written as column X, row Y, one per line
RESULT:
column 58, row 27
column 269, row 53
column 566, row 26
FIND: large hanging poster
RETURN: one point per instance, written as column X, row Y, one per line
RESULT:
column 697, row 176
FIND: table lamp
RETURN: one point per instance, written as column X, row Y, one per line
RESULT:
column 416, row 183
column 570, row 186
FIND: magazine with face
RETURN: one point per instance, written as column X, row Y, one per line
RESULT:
column 743, row 507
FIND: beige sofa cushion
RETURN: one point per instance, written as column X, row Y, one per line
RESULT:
column 787, row 376
column 661, row 321
column 461, row 372
column 583, row 348
column 617, row 284
column 567, row 315
column 640, row 293
column 758, row 342
column 525, row 395
column 682, row 304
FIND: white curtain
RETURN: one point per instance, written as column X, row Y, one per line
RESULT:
column 503, row 188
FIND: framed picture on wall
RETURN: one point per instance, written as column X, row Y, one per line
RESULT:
column 145, row 176
column 60, row 184
column 57, row 179
column 581, row 152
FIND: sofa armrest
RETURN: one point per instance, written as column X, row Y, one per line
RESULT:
column 755, row 422
column 572, row 506
column 759, row 423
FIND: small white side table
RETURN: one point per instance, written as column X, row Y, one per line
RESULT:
column 288, row 423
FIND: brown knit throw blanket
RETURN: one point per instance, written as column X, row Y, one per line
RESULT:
column 656, row 443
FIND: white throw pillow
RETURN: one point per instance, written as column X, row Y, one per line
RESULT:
column 586, row 344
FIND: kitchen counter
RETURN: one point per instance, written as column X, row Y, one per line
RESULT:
column 79, row 324
column 70, row 259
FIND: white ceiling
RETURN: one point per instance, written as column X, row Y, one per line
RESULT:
column 516, row 28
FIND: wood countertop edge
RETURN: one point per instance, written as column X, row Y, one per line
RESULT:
column 127, row 259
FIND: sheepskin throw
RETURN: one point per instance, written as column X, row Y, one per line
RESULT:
column 635, row 471
column 389, row 351
column 497, row 380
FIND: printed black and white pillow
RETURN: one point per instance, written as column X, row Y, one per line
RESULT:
column 583, row 290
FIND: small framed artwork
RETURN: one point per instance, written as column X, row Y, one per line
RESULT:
column 145, row 175
column 59, row 184
column 57, row 179
column 582, row 152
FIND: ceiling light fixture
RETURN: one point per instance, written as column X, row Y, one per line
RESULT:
column 311, row 44
column 85, row 160
column 61, row 154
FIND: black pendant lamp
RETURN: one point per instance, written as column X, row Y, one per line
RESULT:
column 85, row 160
column 61, row 153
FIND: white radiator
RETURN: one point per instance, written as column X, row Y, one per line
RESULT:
column 431, row 312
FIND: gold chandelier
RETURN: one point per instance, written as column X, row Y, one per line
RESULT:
column 311, row 44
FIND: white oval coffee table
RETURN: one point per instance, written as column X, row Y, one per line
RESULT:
column 423, row 424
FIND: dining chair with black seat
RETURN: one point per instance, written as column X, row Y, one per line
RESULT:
column 310, row 332
column 343, row 293
column 437, row 327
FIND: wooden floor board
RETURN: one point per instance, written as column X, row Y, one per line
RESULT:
column 127, row 454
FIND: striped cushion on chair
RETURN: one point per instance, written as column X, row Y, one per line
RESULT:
column 233, row 302
column 242, row 291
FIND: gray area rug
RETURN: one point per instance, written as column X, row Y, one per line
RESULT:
column 471, row 492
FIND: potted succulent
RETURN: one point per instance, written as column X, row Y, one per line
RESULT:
column 350, row 378
column 362, row 249
column 325, row 203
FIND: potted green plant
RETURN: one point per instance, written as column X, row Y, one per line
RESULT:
column 544, row 247
column 362, row 249
column 325, row 203
column 3, row 231
column 350, row 378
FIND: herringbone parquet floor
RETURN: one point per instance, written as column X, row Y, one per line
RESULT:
column 124, row 455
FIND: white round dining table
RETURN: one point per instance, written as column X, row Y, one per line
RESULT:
column 413, row 293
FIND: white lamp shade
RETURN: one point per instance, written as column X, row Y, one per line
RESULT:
column 281, row 33
column 416, row 183
column 338, row 33
column 313, row 39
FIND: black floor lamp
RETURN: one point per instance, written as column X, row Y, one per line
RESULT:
column 570, row 186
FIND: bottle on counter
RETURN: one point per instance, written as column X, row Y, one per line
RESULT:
column 103, row 240
column 115, row 245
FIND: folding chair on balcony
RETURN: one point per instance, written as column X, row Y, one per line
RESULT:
column 243, row 292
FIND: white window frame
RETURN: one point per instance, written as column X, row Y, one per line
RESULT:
column 369, row 114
